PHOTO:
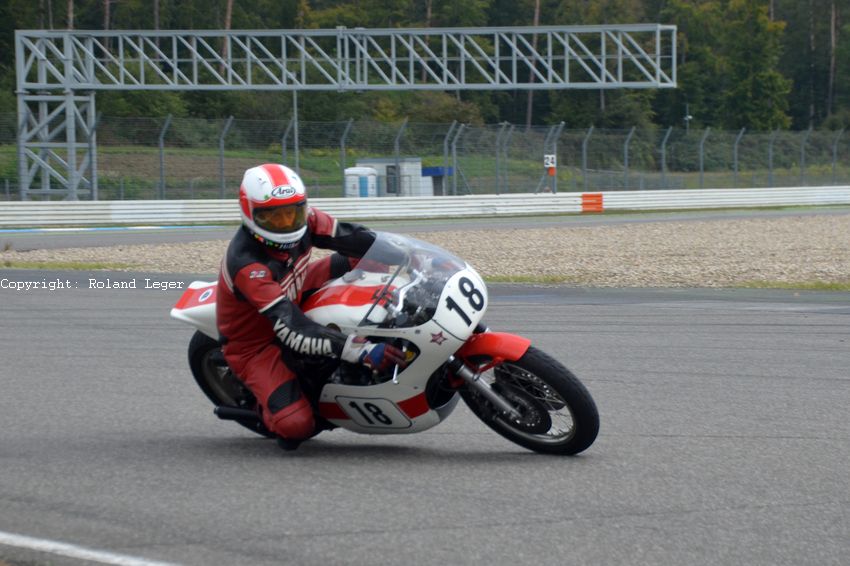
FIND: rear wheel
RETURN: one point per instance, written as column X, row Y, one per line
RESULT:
column 218, row 382
column 557, row 414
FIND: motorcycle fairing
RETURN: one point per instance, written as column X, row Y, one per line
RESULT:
column 386, row 408
column 411, row 408
column 462, row 304
column 406, row 394
column 344, row 303
column 424, row 297
column 398, row 405
column 196, row 307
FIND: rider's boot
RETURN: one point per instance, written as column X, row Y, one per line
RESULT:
column 289, row 444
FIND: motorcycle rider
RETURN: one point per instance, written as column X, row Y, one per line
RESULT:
column 264, row 275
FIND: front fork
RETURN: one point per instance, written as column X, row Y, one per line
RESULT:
column 473, row 379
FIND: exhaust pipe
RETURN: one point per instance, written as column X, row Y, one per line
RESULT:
column 227, row 413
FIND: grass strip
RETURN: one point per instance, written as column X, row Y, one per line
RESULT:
column 539, row 279
column 66, row 265
column 563, row 280
column 799, row 285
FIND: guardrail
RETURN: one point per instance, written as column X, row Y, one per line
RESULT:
column 172, row 212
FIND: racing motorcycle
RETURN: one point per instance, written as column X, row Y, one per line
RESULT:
column 429, row 304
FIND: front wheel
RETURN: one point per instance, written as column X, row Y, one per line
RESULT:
column 557, row 414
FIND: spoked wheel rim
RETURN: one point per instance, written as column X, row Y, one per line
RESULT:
column 557, row 411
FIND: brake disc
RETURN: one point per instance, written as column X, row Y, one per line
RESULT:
column 534, row 417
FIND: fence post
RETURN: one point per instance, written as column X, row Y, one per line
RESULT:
column 735, row 155
column 803, row 143
column 8, row 194
column 664, row 157
column 295, row 133
column 455, row 170
column 626, row 158
column 546, row 144
column 162, row 156
column 397, row 150
column 283, row 139
column 506, row 145
column 24, row 178
column 93, row 155
column 502, row 127
column 555, row 139
column 446, row 157
column 773, row 135
column 73, row 178
column 835, row 155
column 584, row 143
column 342, row 149
column 220, row 158
column 702, row 157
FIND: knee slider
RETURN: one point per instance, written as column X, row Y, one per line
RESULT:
column 289, row 414
column 294, row 422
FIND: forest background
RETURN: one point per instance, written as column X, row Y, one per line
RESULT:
column 758, row 64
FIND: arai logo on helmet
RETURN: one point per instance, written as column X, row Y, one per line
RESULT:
column 283, row 191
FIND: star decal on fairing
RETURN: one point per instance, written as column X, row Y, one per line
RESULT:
column 438, row 338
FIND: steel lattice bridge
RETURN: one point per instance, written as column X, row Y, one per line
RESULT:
column 58, row 73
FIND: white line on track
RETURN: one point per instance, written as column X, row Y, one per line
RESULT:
column 74, row 551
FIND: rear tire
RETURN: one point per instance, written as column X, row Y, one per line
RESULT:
column 558, row 414
column 218, row 382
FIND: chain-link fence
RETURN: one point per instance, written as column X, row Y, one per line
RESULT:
column 156, row 158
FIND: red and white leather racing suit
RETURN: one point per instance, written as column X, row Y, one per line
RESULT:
column 261, row 324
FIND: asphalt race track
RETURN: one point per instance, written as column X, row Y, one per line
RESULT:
column 724, row 440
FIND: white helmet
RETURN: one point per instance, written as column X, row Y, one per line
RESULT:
column 273, row 203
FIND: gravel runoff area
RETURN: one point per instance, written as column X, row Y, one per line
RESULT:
column 710, row 253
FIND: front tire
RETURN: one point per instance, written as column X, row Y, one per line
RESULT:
column 218, row 382
column 558, row 414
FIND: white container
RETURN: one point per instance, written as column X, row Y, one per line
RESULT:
column 398, row 177
column 361, row 182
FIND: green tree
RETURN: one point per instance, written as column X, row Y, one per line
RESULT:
column 601, row 12
column 811, row 57
column 729, row 53
column 756, row 93
column 363, row 13
column 16, row 14
column 623, row 109
column 137, row 103
column 467, row 13
column 699, row 68
column 840, row 118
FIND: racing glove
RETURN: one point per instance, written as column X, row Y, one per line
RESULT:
column 377, row 357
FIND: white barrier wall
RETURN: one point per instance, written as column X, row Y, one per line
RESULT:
column 35, row 214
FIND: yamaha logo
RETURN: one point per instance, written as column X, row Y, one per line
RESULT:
column 283, row 191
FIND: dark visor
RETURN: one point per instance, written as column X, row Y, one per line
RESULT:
column 282, row 219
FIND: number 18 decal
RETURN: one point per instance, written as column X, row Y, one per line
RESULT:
column 373, row 413
column 473, row 296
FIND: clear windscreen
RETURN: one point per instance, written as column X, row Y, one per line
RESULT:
column 411, row 275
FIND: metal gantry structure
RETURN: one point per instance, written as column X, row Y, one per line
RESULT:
column 58, row 73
